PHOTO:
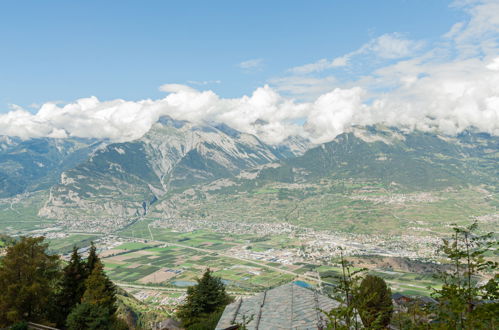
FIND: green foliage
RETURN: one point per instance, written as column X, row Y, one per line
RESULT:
column 204, row 300
column 209, row 322
column 6, row 240
column 23, row 325
column 99, row 290
column 92, row 258
column 28, row 279
column 463, row 301
column 87, row 316
column 33, row 288
column 72, row 286
column 374, row 302
column 98, row 300
column 345, row 316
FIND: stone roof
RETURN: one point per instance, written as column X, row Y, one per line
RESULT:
column 285, row 307
column 168, row 324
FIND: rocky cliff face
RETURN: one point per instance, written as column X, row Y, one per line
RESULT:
column 106, row 185
column 122, row 180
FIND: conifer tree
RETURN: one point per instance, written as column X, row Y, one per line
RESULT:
column 87, row 316
column 91, row 259
column 99, row 290
column 98, row 304
column 373, row 300
column 204, row 299
column 28, row 278
column 72, row 286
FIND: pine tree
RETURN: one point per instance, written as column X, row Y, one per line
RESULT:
column 72, row 286
column 99, row 290
column 28, row 278
column 87, row 316
column 92, row 259
column 98, row 304
column 203, row 299
column 373, row 300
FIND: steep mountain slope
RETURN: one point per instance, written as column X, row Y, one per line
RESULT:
column 123, row 180
column 414, row 160
column 35, row 164
column 363, row 180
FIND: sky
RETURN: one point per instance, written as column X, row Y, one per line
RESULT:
column 109, row 69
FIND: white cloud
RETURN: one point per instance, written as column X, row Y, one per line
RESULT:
column 332, row 113
column 304, row 87
column 175, row 88
column 251, row 65
column 449, row 87
column 392, row 46
column 204, row 82
column 494, row 64
column 321, row 65
column 387, row 46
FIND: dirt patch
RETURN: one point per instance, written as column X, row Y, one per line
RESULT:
column 162, row 275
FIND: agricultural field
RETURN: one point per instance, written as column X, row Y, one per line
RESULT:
column 344, row 206
column 236, row 273
column 179, row 267
column 64, row 245
column 403, row 282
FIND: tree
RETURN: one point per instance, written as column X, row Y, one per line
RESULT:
column 98, row 304
column 72, row 286
column 28, row 278
column 92, row 258
column 345, row 315
column 204, row 299
column 373, row 300
column 462, row 300
column 99, row 290
column 86, row 316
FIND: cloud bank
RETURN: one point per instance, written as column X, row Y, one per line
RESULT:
column 450, row 85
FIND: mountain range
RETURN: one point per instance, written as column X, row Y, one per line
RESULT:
column 98, row 180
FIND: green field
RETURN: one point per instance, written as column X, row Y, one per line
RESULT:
column 190, row 264
column 132, row 246
column 350, row 207
column 65, row 245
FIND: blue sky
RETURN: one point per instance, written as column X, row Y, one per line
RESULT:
column 110, row 69
column 64, row 50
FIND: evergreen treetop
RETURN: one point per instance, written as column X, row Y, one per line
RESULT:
column 92, row 258
column 28, row 280
column 374, row 302
column 205, row 298
column 72, row 286
column 99, row 290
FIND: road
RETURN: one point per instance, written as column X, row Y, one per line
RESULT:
column 218, row 253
